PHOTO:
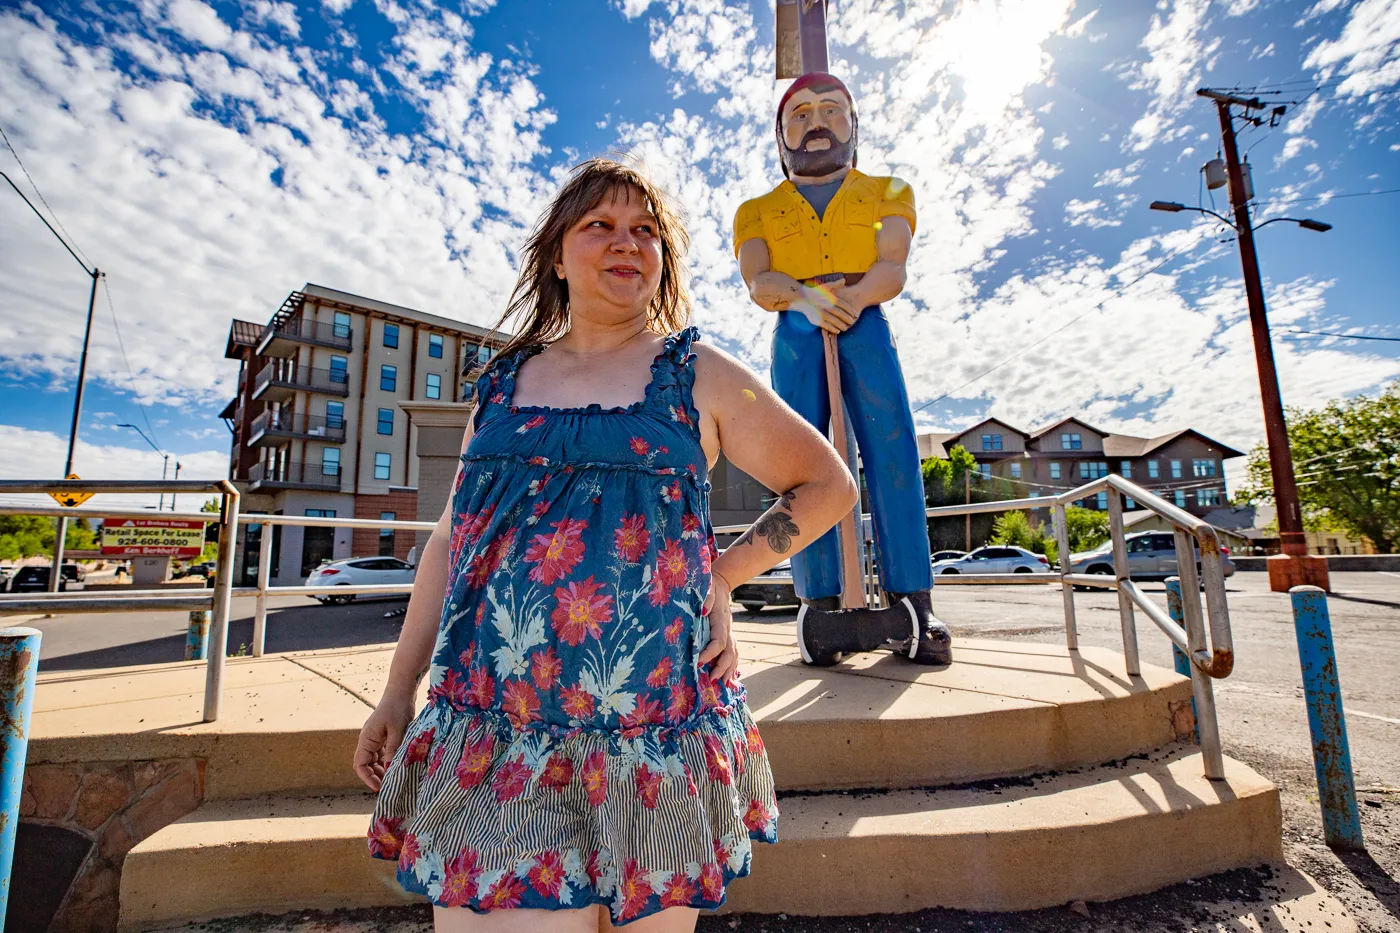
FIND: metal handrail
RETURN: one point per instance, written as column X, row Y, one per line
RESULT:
column 219, row 602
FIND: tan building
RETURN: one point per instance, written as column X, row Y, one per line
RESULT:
column 317, row 427
column 1184, row 467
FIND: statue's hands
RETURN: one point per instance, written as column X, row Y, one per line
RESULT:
column 826, row 308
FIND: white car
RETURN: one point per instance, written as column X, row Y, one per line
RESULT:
column 995, row 558
column 358, row 571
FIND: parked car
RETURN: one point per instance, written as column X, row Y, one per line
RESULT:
column 994, row 558
column 358, row 571
column 35, row 579
column 947, row 555
column 1151, row 556
column 205, row 570
column 774, row 588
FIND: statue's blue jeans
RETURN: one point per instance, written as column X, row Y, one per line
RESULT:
column 872, row 384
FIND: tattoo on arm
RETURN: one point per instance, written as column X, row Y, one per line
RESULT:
column 778, row 528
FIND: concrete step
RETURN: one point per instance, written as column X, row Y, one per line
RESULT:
column 1003, row 708
column 1093, row 834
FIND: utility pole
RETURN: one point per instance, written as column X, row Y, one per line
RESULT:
column 56, row 574
column 967, row 500
column 1296, row 568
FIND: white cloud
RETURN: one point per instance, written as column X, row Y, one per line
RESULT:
column 1119, row 177
column 1294, row 146
column 298, row 180
column 1086, row 213
column 1367, row 52
column 1178, row 45
column 1061, row 141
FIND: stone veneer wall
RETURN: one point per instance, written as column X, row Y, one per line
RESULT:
column 104, row 808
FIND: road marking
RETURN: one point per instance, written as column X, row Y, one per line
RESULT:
column 1387, row 573
column 1357, row 712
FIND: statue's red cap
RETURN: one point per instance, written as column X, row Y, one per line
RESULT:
column 808, row 80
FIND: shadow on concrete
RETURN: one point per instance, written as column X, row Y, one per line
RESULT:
column 1389, row 604
column 294, row 628
column 1372, row 876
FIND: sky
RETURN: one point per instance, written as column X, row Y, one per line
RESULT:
column 211, row 157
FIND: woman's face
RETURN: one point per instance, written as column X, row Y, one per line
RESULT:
column 611, row 258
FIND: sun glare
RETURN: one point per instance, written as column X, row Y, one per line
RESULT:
column 995, row 48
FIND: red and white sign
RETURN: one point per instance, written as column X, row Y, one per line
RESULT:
column 152, row 537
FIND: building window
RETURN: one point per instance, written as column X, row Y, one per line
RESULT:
column 985, row 470
column 341, row 327
column 435, row 346
column 320, row 513
column 386, row 421
column 1071, row 442
column 330, row 461
column 386, row 536
column 1128, row 501
column 991, row 442
column 339, row 365
column 1054, row 469
column 1101, row 502
column 391, row 336
column 381, row 466
column 388, row 378
column 1181, row 498
column 1203, row 467
column 483, row 353
column 1035, row 493
column 1176, row 469
column 434, row 385
column 1093, row 469
column 1126, row 469
column 1153, row 471
column 335, row 414
column 1207, row 497
column 1015, row 467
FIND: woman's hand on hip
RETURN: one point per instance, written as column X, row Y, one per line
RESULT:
column 722, row 650
column 380, row 738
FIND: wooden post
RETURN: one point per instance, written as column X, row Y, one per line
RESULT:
column 967, row 500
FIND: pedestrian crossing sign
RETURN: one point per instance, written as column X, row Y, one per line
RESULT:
column 71, row 499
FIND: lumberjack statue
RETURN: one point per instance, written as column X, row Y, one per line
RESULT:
column 823, row 249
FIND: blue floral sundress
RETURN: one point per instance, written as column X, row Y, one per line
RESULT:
column 571, row 752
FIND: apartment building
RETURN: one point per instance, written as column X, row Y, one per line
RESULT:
column 1184, row 467
column 316, row 423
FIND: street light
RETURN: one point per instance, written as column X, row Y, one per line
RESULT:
column 1307, row 223
column 164, row 455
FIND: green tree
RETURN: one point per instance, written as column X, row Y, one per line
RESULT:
column 1346, row 456
column 1086, row 529
column 28, row 535
column 955, row 480
column 1015, row 529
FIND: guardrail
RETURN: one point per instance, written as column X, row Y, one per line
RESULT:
column 217, row 600
column 1210, row 656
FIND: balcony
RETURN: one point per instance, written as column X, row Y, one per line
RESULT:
column 272, row 428
column 322, row 476
column 282, row 336
column 280, row 379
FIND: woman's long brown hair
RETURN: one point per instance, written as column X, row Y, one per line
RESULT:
column 541, row 299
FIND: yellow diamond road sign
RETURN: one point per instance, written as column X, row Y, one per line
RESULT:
column 71, row 499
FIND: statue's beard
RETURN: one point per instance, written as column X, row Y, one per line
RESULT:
column 809, row 164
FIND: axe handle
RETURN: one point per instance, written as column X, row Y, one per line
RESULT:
column 852, row 586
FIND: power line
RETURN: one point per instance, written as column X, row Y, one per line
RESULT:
column 1328, row 197
column 1319, row 333
column 131, row 378
column 1067, row 324
column 67, row 237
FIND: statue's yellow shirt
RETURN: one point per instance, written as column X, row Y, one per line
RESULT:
column 843, row 240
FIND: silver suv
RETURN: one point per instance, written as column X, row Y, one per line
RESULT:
column 1151, row 556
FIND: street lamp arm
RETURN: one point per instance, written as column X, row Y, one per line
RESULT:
column 144, row 438
column 1306, row 223
column 1173, row 207
column 91, row 272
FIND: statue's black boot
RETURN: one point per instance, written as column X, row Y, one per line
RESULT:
column 825, row 632
column 930, row 642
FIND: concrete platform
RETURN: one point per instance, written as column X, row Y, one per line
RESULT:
column 1003, row 708
column 1096, row 834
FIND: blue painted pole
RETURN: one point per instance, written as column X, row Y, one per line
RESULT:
column 19, row 663
column 1179, row 659
column 197, row 636
column 1336, row 787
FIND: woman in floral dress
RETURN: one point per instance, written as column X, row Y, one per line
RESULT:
column 586, row 756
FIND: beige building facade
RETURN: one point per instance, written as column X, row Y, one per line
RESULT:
column 317, row 424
